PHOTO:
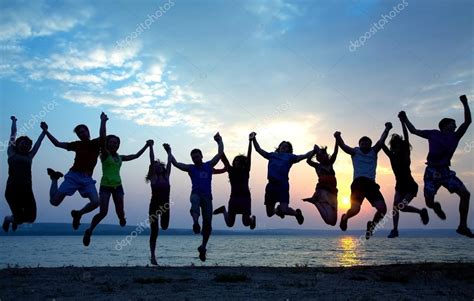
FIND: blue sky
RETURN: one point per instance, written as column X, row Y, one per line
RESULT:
column 284, row 69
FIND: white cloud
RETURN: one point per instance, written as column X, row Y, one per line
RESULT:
column 36, row 19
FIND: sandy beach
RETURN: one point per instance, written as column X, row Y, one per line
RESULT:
column 397, row 282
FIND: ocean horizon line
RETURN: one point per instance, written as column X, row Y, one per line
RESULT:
column 65, row 229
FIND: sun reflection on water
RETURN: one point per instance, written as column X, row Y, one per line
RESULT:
column 348, row 252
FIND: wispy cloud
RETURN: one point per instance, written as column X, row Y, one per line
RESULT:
column 36, row 19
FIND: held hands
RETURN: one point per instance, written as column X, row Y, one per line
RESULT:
column 103, row 117
column 463, row 99
column 13, row 118
column 388, row 126
column 252, row 136
column 402, row 115
column 150, row 143
column 217, row 137
column 44, row 126
column 167, row 147
column 337, row 134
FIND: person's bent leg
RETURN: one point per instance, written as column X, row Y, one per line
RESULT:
column 246, row 220
column 465, row 197
column 229, row 218
column 381, row 211
column 29, row 210
column 104, row 209
column 118, row 197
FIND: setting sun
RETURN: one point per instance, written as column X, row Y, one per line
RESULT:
column 345, row 203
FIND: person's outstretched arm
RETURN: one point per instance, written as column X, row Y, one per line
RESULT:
column 51, row 138
column 378, row 146
column 253, row 137
column 37, row 145
column 138, row 154
column 103, row 126
column 178, row 165
column 226, row 162
column 310, row 161
column 347, row 149
column 11, row 142
column 220, row 150
column 386, row 150
column 334, row 154
column 152, row 152
column 104, row 152
column 467, row 117
column 218, row 171
column 304, row 156
column 249, row 155
column 168, row 166
column 406, row 135
column 404, row 118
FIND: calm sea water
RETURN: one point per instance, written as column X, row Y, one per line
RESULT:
column 229, row 250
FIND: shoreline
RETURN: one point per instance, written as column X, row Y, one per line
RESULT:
column 440, row 281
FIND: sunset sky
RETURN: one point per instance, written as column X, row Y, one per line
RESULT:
column 178, row 71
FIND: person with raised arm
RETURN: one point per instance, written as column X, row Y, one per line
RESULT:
column 406, row 188
column 201, row 193
column 325, row 195
column 364, row 160
column 79, row 176
column 19, row 188
column 442, row 145
column 240, row 198
column 111, row 182
column 278, row 188
column 159, row 210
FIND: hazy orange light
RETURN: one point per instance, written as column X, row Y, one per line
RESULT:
column 345, row 203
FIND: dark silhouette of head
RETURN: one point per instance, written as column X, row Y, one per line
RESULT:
column 113, row 143
column 365, row 144
column 447, row 125
column 156, row 168
column 23, row 145
column 239, row 161
column 322, row 156
column 398, row 145
column 82, row 132
column 196, row 156
column 285, row 147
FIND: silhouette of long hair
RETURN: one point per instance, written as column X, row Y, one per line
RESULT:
column 152, row 170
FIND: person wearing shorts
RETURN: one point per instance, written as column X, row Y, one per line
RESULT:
column 364, row 161
column 442, row 145
column 278, row 188
column 201, row 193
column 79, row 177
